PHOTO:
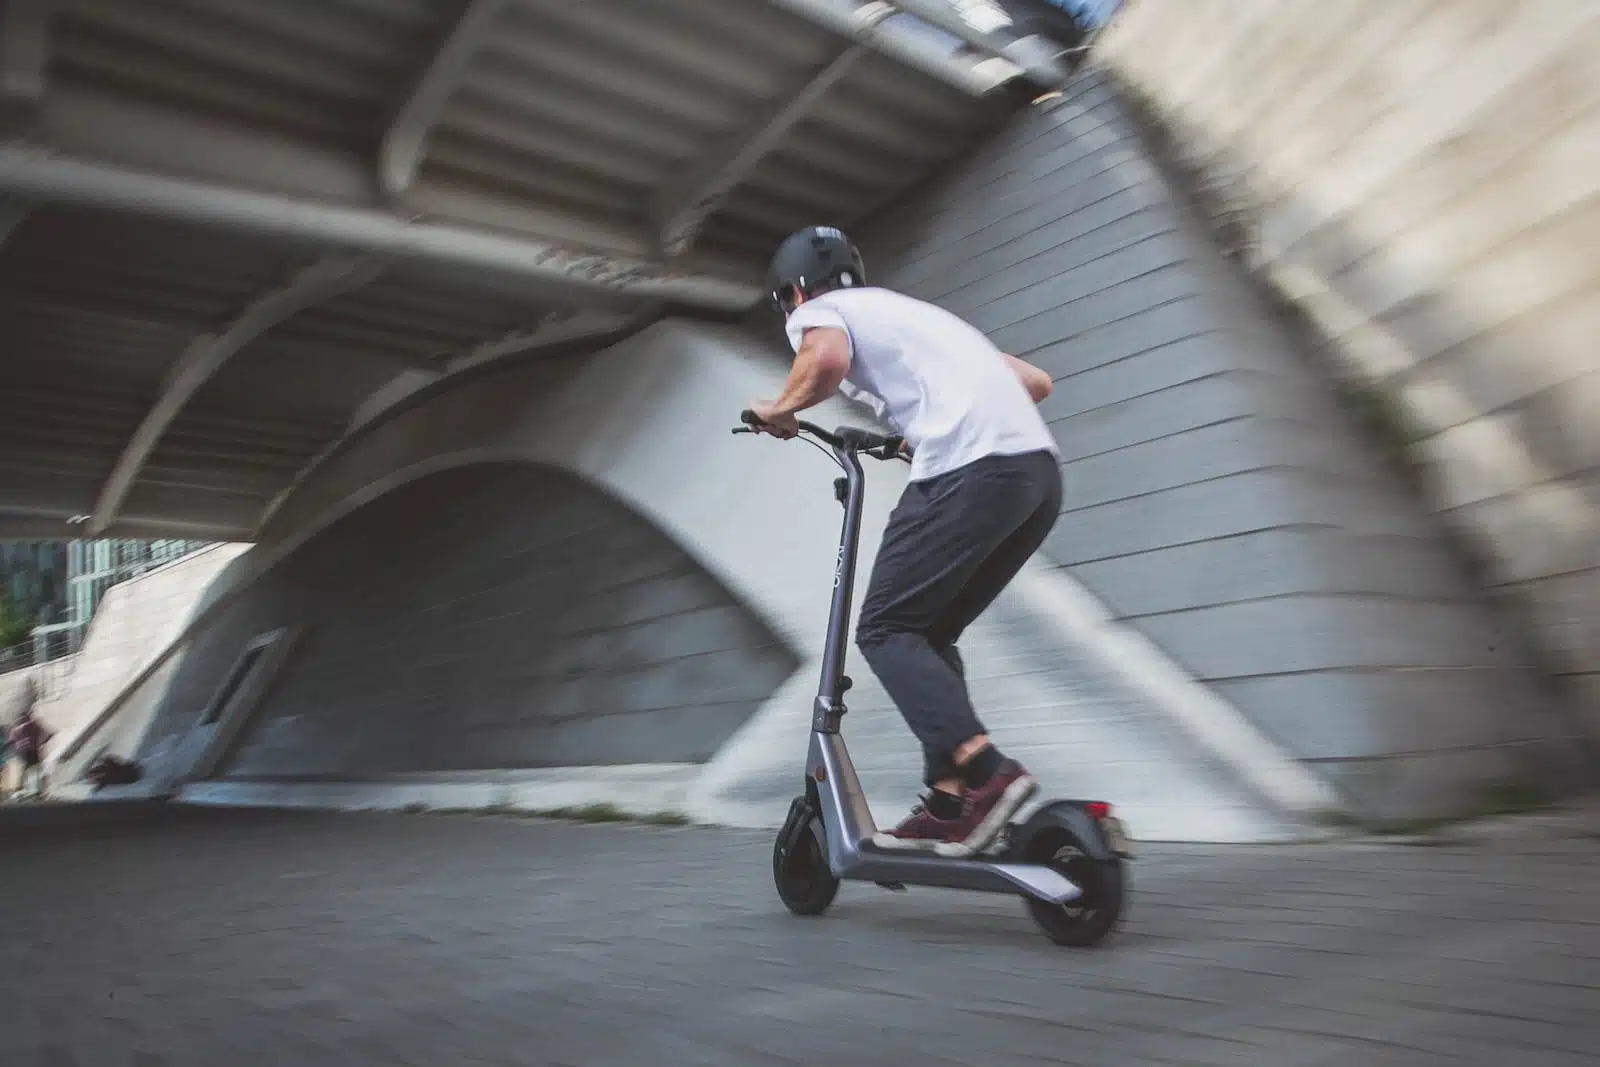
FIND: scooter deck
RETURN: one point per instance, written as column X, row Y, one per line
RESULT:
column 868, row 863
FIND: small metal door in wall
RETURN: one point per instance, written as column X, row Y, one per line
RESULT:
column 208, row 742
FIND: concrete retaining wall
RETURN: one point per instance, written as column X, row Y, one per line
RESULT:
column 136, row 623
column 1421, row 176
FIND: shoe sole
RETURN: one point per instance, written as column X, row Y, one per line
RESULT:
column 1016, row 795
column 890, row 843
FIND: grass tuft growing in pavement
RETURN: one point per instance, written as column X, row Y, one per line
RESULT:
column 611, row 813
column 589, row 813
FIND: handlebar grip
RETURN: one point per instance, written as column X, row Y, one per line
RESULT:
column 750, row 418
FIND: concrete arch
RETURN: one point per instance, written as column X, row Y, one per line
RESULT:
column 531, row 621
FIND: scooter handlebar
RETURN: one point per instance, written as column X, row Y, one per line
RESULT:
column 752, row 421
column 879, row 446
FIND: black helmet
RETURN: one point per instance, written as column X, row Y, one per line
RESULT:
column 814, row 260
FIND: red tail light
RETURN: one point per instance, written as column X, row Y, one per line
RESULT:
column 1097, row 809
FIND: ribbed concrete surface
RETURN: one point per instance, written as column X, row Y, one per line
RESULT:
column 1218, row 498
column 1421, row 176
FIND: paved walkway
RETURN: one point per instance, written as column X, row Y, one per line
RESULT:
column 212, row 938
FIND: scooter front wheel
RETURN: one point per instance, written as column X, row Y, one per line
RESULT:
column 800, row 867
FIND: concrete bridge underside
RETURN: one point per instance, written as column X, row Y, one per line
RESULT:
column 448, row 317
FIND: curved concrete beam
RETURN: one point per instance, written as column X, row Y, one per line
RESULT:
column 682, row 206
column 631, row 419
column 558, row 331
column 407, row 136
column 206, row 355
column 44, row 176
column 862, row 23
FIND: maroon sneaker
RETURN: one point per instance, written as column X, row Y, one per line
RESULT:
column 984, row 813
column 922, row 831
column 991, row 805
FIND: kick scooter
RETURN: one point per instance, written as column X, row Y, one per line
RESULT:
column 1067, row 860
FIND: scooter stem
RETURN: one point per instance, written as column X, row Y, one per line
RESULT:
column 831, row 688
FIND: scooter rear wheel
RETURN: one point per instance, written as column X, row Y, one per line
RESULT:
column 1085, row 921
column 805, row 884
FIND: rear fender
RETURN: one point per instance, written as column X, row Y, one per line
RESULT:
column 1071, row 816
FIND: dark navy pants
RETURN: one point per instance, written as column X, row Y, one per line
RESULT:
column 951, row 545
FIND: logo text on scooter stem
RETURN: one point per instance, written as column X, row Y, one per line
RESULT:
column 838, row 567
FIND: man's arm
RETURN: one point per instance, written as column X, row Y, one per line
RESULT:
column 1034, row 380
column 820, row 364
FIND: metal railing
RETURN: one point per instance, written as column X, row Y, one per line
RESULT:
column 52, row 653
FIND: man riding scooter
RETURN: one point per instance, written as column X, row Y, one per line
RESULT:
column 984, row 491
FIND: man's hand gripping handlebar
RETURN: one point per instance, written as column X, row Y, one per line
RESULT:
column 878, row 446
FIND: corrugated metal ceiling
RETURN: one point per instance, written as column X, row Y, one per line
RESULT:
column 567, row 123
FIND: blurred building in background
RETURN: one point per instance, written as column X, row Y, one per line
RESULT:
column 34, row 577
column 49, row 590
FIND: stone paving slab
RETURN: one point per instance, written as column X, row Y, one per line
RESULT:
column 217, row 937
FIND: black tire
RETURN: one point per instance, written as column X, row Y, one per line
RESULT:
column 1086, row 921
column 805, row 884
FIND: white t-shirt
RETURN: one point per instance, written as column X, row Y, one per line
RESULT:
column 941, row 383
